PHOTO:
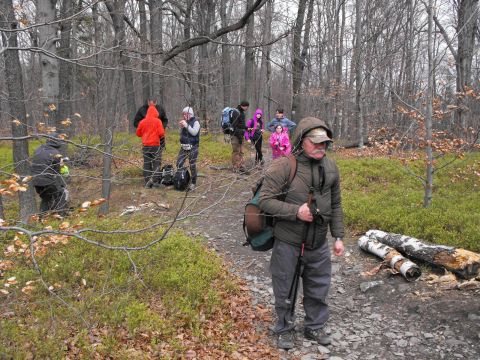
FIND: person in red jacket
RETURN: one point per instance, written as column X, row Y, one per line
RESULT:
column 151, row 130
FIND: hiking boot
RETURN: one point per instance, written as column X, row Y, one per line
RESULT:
column 156, row 185
column 317, row 335
column 149, row 184
column 243, row 171
column 192, row 187
column 285, row 340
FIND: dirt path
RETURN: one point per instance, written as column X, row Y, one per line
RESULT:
column 392, row 320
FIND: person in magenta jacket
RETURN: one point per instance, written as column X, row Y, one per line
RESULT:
column 280, row 142
column 253, row 134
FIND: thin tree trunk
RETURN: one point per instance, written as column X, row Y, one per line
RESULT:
column 266, row 67
column 249, row 85
column 358, row 72
column 337, row 122
column 226, row 57
column 16, row 96
column 144, row 48
column 428, row 114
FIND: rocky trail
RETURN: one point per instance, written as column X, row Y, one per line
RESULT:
column 381, row 316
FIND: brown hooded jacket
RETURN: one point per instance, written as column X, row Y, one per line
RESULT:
column 326, row 182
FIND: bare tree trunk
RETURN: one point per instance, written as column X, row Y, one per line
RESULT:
column 466, row 29
column 249, row 85
column 206, row 8
column 99, row 74
column 107, row 140
column 117, row 10
column 226, row 57
column 427, row 200
column 47, row 37
column 340, row 31
column 16, row 96
column 358, row 72
column 266, row 67
column 156, row 39
column 297, row 62
column 144, row 47
column 65, row 73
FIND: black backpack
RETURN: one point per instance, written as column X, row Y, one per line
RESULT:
column 181, row 179
column 166, row 175
column 257, row 225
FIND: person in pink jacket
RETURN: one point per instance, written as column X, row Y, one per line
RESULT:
column 253, row 134
column 280, row 142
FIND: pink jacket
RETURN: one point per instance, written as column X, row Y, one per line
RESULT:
column 280, row 140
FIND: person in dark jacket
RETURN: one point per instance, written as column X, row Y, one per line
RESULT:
column 142, row 112
column 151, row 130
column 301, row 225
column 189, row 143
column 239, row 127
column 48, row 182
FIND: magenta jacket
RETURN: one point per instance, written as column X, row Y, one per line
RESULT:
column 283, row 141
column 253, row 124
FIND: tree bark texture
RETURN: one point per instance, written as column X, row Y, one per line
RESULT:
column 144, row 47
column 64, row 119
column 47, row 38
column 409, row 270
column 249, row 83
column 464, row 263
column 116, row 9
column 16, row 94
column 297, row 61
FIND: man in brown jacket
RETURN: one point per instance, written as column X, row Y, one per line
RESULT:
column 301, row 229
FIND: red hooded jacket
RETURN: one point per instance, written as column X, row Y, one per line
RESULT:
column 150, row 129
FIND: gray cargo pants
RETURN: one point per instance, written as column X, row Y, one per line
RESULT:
column 316, row 276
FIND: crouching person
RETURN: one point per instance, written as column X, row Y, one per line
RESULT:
column 312, row 204
column 189, row 143
column 47, row 179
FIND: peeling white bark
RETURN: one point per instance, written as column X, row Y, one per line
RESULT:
column 392, row 257
column 464, row 263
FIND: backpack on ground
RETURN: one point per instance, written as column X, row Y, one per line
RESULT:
column 257, row 225
column 166, row 175
column 229, row 115
column 181, row 179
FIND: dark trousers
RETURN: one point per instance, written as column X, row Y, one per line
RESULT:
column 316, row 274
column 258, row 140
column 53, row 198
column 152, row 159
column 192, row 156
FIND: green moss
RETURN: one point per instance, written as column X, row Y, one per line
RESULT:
column 382, row 194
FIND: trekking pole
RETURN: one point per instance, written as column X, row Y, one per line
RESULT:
column 292, row 294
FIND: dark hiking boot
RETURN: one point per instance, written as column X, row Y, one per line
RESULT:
column 149, row 184
column 243, row 171
column 285, row 340
column 318, row 335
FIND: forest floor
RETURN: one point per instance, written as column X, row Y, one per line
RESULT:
column 431, row 318
column 428, row 319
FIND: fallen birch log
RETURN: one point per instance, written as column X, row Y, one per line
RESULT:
column 462, row 262
column 392, row 257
